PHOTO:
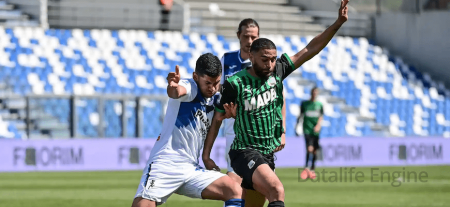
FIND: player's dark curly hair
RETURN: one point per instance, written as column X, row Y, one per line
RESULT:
column 262, row 43
column 208, row 64
column 249, row 22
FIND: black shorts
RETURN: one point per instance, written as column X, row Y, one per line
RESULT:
column 244, row 163
column 312, row 140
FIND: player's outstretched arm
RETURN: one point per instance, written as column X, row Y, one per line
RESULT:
column 320, row 41
column 174, row 90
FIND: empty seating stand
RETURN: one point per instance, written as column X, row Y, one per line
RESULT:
column 362, row 86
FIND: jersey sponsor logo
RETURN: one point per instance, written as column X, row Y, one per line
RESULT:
column 204, row 119
column 312, row 113
column 261, row 100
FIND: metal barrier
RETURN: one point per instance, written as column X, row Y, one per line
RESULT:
column 59, row 116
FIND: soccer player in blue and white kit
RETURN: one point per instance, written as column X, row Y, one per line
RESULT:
column 173, row 164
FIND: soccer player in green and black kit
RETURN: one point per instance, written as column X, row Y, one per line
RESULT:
column 258, row 93
column 312, row 112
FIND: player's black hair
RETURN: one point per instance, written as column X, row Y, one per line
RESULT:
column 208, row 64
column 262, row 43
column 249, row 22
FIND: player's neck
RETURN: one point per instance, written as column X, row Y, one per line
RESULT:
column 244, row 55
column 251, row 71
column 312, row 100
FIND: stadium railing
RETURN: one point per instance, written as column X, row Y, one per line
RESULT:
column 62, row 116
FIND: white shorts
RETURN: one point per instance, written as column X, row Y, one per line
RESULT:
column 160, row 179
column 229, row 142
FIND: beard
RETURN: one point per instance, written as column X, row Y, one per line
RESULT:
column 259, row 71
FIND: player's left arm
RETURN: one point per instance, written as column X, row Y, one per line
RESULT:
column 320, row 41
column 222, row 111
column 319, row 121
column 283, row 136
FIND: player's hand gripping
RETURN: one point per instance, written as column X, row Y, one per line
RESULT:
column 283, row 143
column 210, row 164
column 230, row 112
column 174, row 77
column 343, row 12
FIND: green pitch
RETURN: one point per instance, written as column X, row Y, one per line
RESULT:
column 109, row 189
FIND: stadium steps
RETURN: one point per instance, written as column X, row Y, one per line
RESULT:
column 245, row 1
column 5, row 6
column 359, row 25
column 10, row 16
column 274, row 17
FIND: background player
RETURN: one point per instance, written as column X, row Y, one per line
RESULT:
column 173, row 164
column 258, row 95
column 312, row 113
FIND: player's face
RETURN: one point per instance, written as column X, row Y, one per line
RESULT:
column 314, row 93
column 208, row 85
column 263, row 62
column 247, row 36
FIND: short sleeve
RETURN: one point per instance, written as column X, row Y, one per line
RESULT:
column 228, row 95
column 191, row 90
column 284, row 66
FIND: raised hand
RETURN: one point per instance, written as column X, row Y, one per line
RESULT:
column 174, row 77
column 343, row 11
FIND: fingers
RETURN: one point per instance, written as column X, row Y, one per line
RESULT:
column 346, row 2
column 177, row 70
column 216, row 168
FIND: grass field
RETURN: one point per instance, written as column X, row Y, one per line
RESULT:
column 109, row 189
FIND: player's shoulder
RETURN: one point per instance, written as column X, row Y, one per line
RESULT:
column 189, row 84
column 230, row 56
column 230, row 53
column 236, row 77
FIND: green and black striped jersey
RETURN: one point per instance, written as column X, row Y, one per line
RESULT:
column 259, row 102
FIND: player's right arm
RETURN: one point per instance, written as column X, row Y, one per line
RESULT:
column 175, row 90
column 222, row 111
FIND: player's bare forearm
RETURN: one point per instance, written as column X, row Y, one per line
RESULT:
column 175, row 91
column 212, row 135
column 319, row 121
column 320, row 41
